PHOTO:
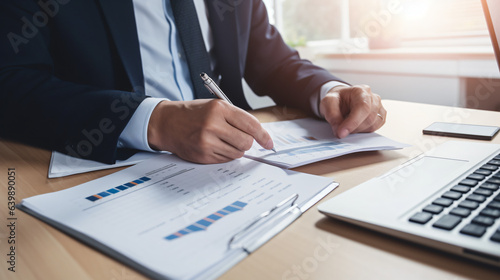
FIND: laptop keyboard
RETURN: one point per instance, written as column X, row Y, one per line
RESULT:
column 476, row 196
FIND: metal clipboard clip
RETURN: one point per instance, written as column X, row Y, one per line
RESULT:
column 266, row 225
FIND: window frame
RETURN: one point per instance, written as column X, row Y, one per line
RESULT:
column 357, row 44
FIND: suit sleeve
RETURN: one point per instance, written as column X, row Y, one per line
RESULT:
column 38, row 108
column 274, row 69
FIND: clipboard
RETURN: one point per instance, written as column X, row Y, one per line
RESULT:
column 256, row 201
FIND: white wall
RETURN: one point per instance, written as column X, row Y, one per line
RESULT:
column 432, row 79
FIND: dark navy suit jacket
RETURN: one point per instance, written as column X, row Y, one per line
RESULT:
column 71, row 74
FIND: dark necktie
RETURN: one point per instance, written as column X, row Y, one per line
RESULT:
column 188, row 26
column 227, row 50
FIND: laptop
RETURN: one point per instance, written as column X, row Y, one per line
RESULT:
column 447, row 198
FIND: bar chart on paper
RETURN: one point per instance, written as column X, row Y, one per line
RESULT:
column 323, row 147
column 290, row 141
column 304, row 141
column 174, row 219
column 117, row 189
column 206, row 222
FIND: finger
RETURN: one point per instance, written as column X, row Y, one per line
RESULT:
column 371, row 120
column 212, row 150
column 212, row 158
column 226, row 151
column 236, row 138
column 376, row 118
column 360, row 108
column 248, row 124
column 381, row 115
column 330, row 109
column 231, row 143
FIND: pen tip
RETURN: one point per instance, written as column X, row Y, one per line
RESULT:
column 273, row 149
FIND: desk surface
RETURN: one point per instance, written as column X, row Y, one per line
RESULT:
column 313, row 247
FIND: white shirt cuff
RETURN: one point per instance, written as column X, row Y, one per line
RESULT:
column 318, row 96
column 135, row 134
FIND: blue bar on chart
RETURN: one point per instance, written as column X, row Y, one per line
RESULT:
column 289, row 139
column 204, row 223
column 103, row 194
column 117, row 189
column 121, row 188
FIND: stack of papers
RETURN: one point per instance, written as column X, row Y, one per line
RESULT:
column 63, row 165
column 172, row 219
column 298, row 142
column 304, row 141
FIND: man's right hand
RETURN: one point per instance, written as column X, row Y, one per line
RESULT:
column 204, row 130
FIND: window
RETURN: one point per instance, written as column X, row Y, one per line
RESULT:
column 443, row 18
column 302, row 21
column 380, row 23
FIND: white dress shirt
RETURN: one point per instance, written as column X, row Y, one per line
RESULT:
column 166, row 72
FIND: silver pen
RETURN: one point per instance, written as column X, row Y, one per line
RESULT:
column 215, row 90
column 213, row 87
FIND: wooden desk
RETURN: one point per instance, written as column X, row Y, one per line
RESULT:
column 313, row 247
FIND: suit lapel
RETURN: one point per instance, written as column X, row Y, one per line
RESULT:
column 120, row 18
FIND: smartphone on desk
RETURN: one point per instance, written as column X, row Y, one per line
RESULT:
column 470, row 131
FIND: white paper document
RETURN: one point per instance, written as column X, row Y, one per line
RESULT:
column 303, row 141
column 177, row 220
column 63, row 165
column 298, row 142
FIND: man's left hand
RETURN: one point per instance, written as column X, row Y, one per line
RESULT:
column 352, row 109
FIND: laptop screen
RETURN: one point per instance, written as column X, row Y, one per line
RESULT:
column 492, row 13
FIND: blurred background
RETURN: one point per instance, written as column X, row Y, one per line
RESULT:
column 426, row 51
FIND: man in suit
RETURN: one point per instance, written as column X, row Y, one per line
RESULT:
column 94, row 78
